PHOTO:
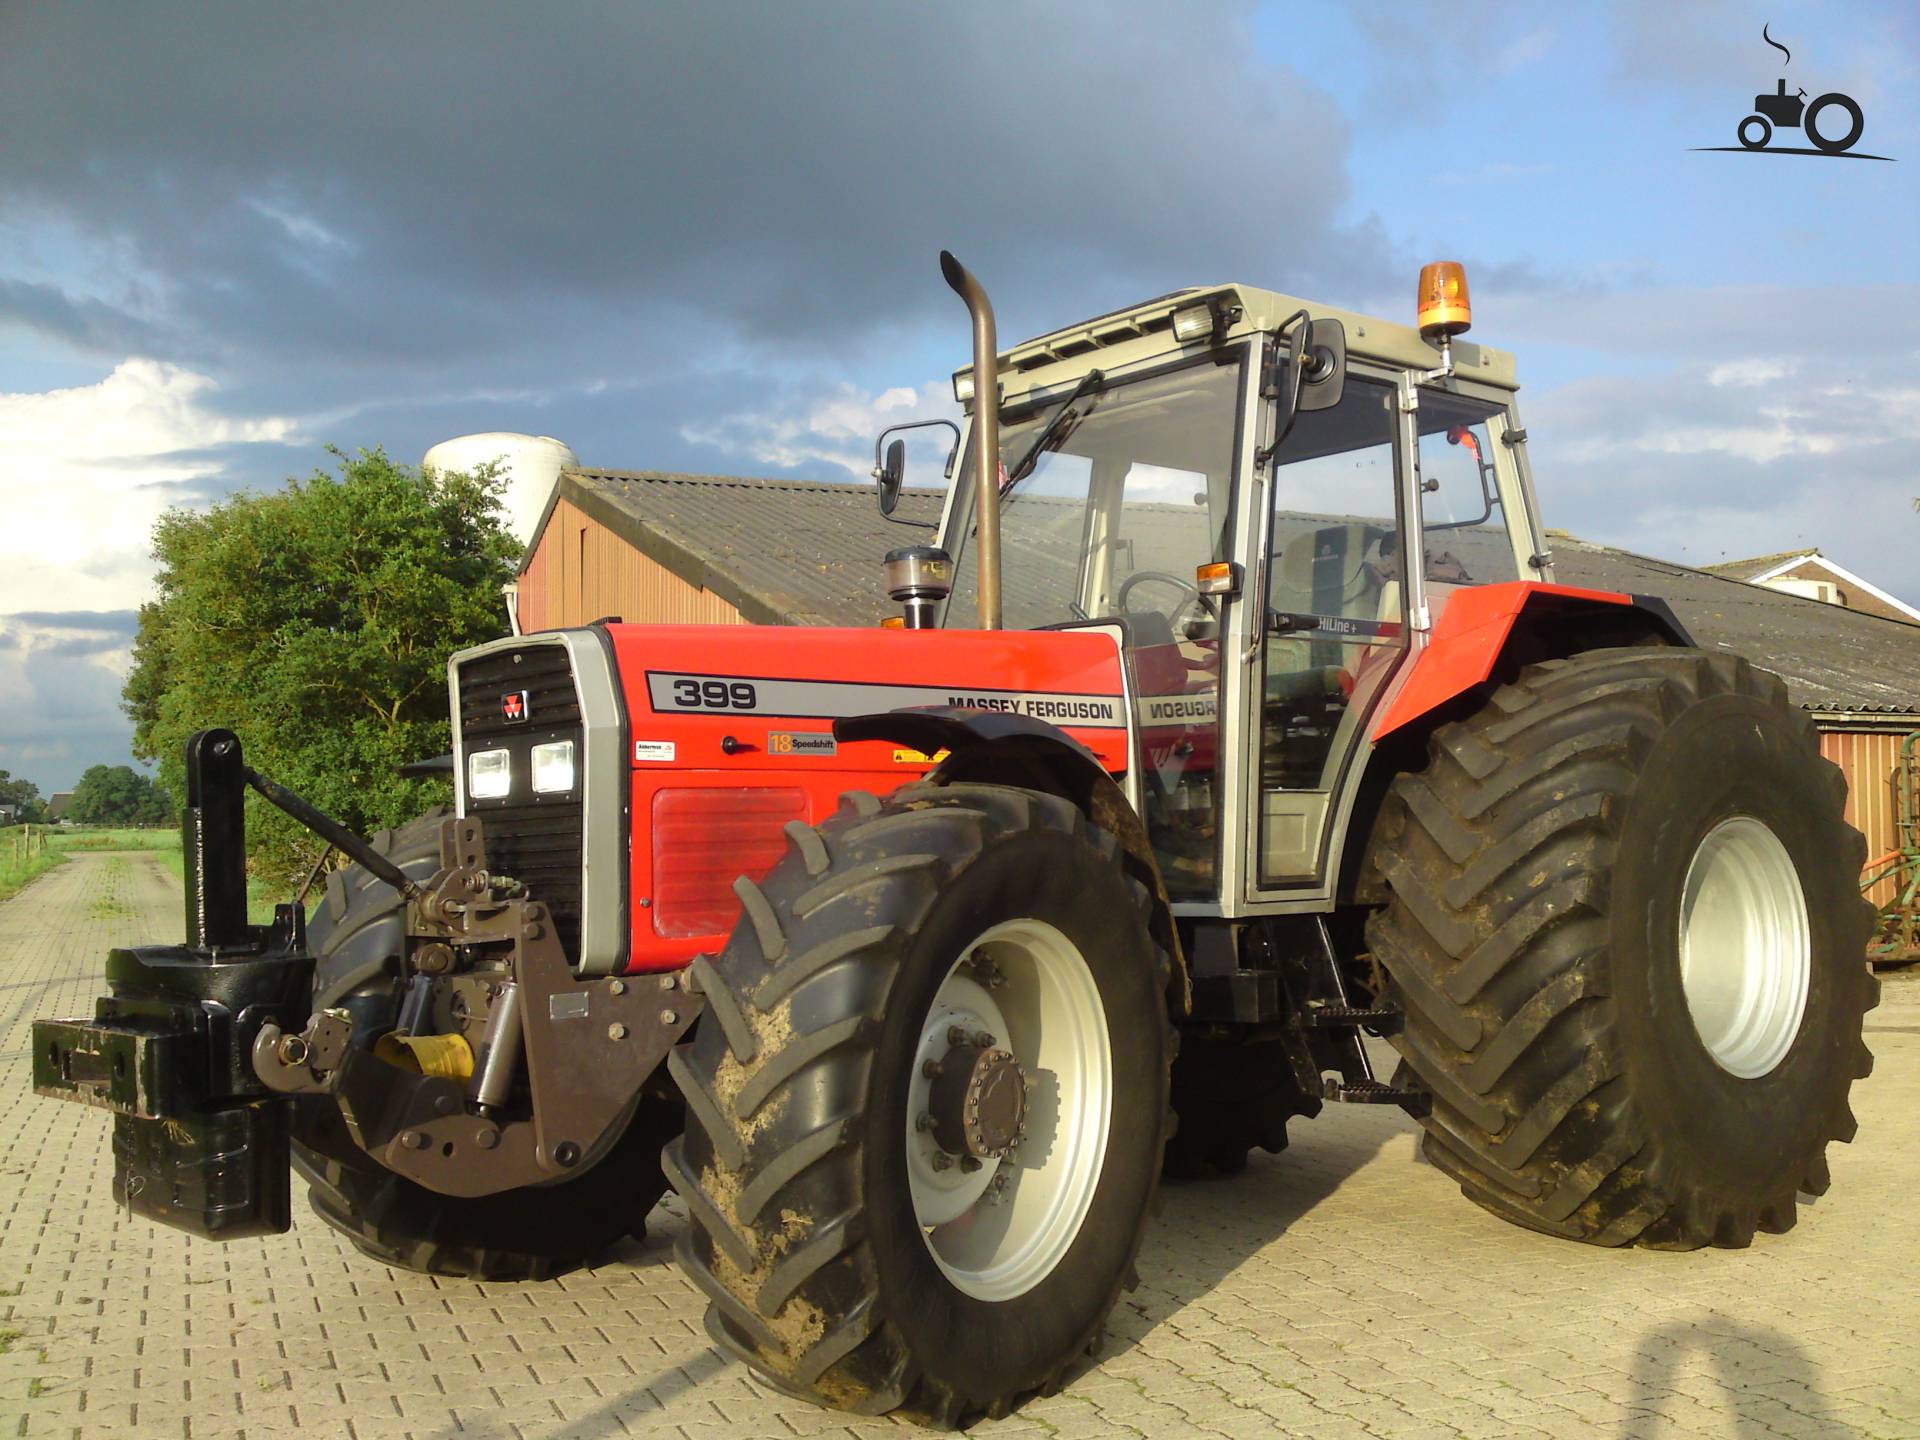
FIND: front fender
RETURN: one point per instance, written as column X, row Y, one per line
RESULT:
column 999, row 748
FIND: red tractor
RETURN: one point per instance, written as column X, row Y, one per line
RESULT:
column 1249, row 724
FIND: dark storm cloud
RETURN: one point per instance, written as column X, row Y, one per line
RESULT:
column 121, row 622
column 67, row 634
column 82, row 322
column 508, row 189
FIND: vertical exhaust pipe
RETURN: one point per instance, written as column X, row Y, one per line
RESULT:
column 986, row 435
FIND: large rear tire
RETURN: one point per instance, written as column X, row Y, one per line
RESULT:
column 358, row 936
column 1627, row 933
column 852, row 1255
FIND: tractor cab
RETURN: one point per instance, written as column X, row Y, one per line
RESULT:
column 1270, row 503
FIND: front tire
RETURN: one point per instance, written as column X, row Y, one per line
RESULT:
column 845, row 1262
column 358, row 938
column 1627, row 934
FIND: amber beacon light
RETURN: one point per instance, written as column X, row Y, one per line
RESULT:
column 1445, row 309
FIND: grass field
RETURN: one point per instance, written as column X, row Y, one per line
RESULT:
column 28, row 851
column 18, row 868
column 22, row 861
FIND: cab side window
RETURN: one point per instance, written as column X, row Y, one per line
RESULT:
column 1464, row 523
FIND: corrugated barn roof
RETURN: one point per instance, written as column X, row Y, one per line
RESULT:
column 803, row 553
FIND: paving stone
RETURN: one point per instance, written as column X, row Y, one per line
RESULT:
column 1343, row 1289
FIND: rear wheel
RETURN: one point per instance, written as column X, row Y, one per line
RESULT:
column 1834, row 144
column 358, row 936
column 927, row 1103
column 1628, row 936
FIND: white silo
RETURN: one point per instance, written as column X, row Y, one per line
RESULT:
column 530, row 463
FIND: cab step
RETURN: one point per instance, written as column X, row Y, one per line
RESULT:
column 1417, row 1103
column 1379, row 1020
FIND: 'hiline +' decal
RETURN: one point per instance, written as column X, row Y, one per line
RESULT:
column 827, row 699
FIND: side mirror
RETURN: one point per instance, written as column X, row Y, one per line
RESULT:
column 1323, row 364
column 892, row 474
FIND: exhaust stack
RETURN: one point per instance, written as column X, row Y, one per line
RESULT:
column 986, row 435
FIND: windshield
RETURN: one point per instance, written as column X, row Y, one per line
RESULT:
column 1130, row 495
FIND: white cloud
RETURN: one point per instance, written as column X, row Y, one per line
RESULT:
column 85, row 472
column 1758, row 371
column 1524, row 51
column 835, row 426
column 1745, row 453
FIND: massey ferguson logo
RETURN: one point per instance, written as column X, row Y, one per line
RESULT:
column 513, row 707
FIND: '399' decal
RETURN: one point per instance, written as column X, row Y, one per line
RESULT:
column 671, row 693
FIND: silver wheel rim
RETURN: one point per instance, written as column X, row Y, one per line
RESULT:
column 1746, row 950
column 998, row 1231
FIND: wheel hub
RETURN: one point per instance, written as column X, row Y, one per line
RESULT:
column 1009, row 1106
column 978, row 1100
column 1745, row 947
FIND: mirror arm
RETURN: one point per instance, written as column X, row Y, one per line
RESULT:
column 880, row 441
column 1298, row 323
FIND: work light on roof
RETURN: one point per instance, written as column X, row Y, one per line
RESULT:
column 1209, row 320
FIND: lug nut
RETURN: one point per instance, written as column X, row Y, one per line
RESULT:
column 969, row 1164
column 983, row 1040
column 616, row 1031
column 941, row 1160
column 930, row 1069
column 923, row 1122
column 955, row 1035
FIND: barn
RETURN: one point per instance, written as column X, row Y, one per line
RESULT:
column 728, row 550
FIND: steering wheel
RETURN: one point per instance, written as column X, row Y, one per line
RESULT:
column 1179, row 582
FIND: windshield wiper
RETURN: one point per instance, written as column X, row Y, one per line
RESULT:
column 1093, row 380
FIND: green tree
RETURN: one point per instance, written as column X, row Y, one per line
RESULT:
column 315, row 622
column 23, row 798
column 118, row 795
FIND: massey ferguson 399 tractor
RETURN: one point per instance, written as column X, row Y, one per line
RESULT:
column 1235, row 717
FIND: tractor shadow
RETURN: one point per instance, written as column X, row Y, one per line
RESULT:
column 1203, row 1231
column 1200, row 1233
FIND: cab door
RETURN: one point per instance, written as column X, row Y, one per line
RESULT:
column 1335, row 623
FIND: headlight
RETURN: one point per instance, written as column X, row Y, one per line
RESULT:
column 489, row 774
column 553, row 767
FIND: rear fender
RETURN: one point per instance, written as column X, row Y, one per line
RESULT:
column 992, row 747
column 1483, row 638
column 1490, row 631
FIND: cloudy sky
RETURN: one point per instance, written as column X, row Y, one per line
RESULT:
column 702, row 236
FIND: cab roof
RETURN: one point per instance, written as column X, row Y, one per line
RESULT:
column 1146, row 329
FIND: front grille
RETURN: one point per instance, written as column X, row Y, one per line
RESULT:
column 536, row 839
column 540, row 670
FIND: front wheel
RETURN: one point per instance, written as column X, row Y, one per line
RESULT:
column 927, row 1103
column 358, row 937
column 1755, row 132
column 1627, row 932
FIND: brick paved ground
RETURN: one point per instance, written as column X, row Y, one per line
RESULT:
column 1343, row 1289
